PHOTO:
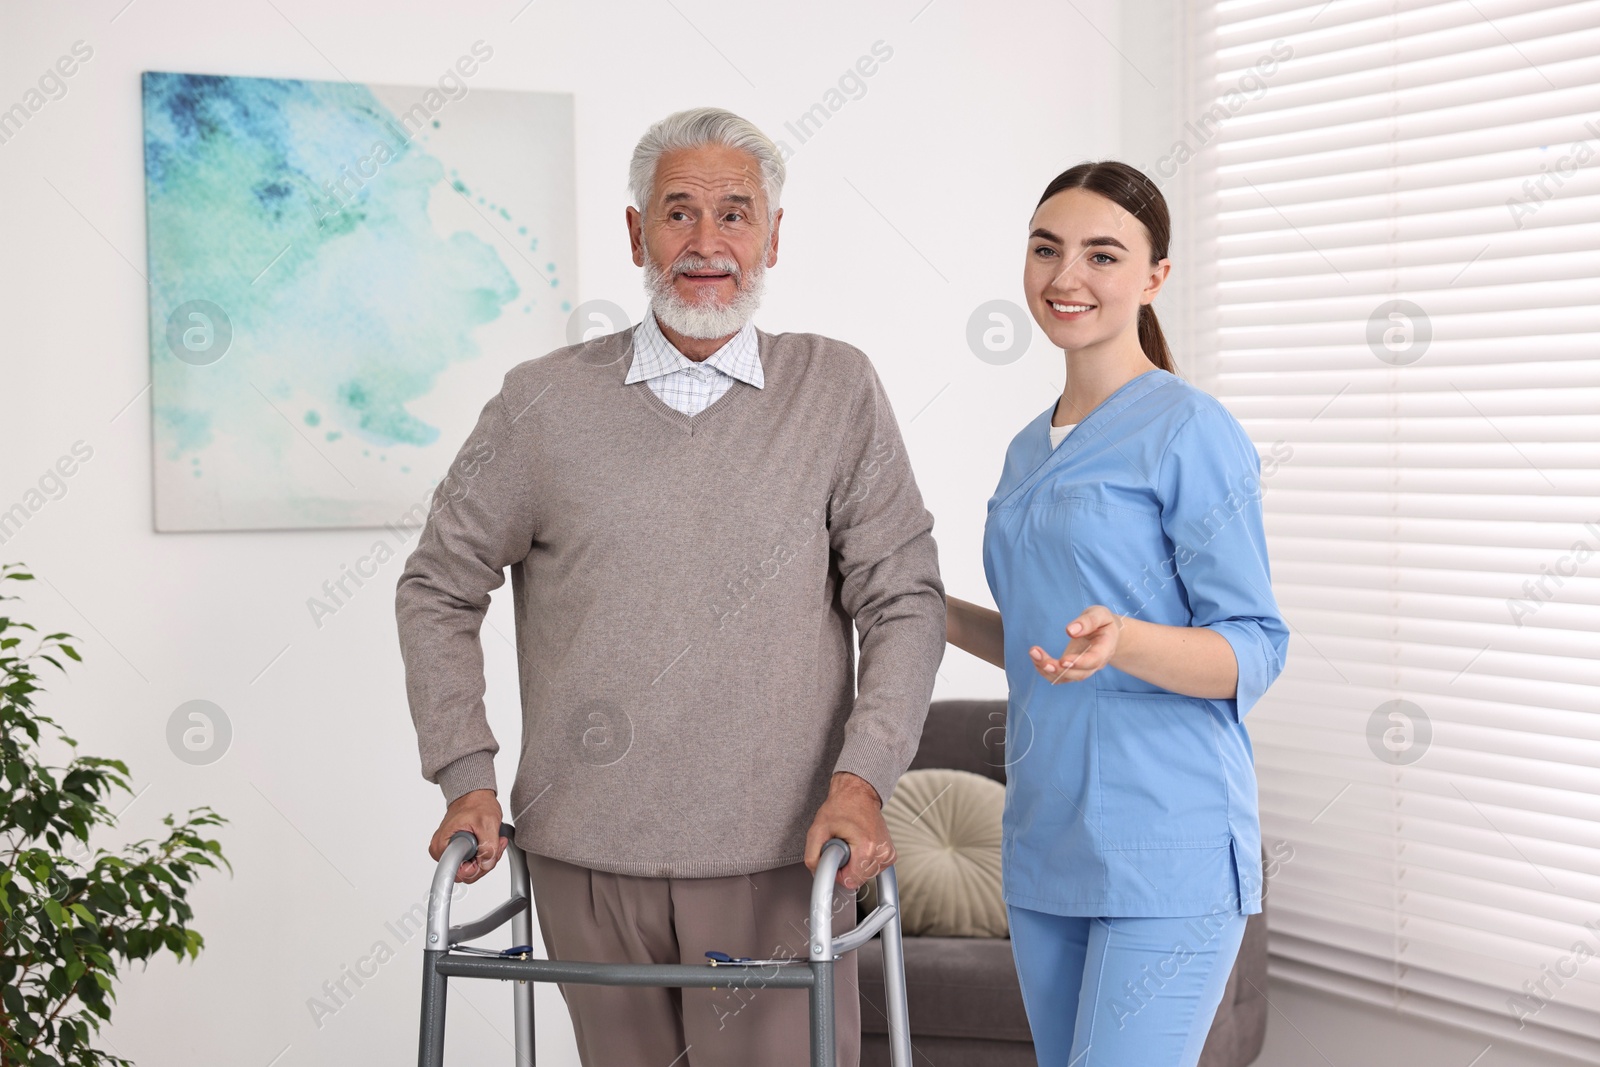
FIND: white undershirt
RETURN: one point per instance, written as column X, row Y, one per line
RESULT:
column 1059, row 433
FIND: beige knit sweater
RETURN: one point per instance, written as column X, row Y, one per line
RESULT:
column 684, row 591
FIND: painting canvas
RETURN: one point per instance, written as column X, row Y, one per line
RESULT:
column 340, row 276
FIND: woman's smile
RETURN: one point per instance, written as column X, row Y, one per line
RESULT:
column 1069, row 312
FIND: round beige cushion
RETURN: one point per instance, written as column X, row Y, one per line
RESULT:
column 945, row 825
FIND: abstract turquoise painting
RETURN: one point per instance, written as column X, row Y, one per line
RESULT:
column 340, row 276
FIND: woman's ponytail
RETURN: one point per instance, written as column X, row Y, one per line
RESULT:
column 1153, row 341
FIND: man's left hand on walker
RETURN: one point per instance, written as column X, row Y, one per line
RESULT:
column 1094, row 636
column 853, row 813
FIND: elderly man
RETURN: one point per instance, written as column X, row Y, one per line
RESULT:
column 695, row 513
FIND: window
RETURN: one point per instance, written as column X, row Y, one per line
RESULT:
column 1398, row 253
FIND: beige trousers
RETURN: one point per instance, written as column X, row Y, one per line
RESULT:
column 616, row 918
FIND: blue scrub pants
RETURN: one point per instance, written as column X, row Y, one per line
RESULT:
column 1122, row 992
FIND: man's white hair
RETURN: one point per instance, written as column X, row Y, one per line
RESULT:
column 697, row 128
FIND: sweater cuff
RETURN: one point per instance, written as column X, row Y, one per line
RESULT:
column 871, row 762
column 475, row 770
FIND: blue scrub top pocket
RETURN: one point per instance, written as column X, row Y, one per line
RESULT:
column 1159, row 772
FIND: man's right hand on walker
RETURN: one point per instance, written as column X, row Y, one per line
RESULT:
column 479, row 813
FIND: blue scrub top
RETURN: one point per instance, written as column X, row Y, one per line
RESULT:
column 1123, row 798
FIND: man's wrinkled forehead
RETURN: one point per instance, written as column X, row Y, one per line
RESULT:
column 695, row 176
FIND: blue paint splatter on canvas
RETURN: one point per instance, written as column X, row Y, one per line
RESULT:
column 302, row 210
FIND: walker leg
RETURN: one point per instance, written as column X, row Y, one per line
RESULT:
column 431, row 1053
column 821, row 993
column 894, row 974
column 522, row 934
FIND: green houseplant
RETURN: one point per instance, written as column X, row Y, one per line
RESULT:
column 69, row 915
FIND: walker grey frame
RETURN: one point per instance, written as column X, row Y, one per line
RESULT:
column 440, row 963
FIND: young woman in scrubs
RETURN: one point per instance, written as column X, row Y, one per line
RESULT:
column 1137, row 626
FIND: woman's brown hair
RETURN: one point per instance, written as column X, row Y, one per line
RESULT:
column 1128, row 188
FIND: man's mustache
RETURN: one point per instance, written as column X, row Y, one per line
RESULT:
column 724, row 265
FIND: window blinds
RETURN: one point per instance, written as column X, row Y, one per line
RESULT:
column 1398, row 260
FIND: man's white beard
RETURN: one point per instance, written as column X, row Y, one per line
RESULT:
column 708, row 319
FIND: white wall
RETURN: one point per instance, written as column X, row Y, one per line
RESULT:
column 903, row 213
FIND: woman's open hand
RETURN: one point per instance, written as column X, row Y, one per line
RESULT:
column 1093, row 635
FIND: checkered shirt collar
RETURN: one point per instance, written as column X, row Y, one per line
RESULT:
column 654, row 355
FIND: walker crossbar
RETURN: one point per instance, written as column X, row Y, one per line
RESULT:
column 815, row 973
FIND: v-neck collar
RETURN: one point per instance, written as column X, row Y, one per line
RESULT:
column 733, row 397
column 1037, row 455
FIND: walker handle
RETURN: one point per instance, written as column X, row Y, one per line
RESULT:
column 463, row 845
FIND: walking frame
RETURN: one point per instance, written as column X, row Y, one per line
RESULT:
column 445, row 956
